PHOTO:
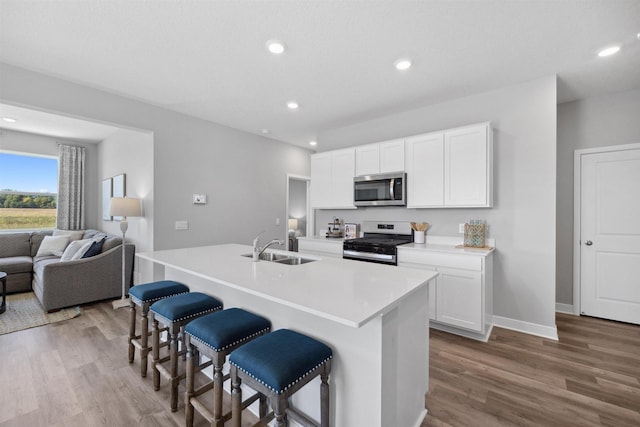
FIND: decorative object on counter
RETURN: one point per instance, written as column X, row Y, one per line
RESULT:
column 350, row 231
column 475, row 234
column 334, row 230
column 419, row 231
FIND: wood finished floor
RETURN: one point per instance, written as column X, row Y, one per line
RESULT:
column 75, row 373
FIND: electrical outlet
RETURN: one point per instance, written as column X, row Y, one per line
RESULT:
column 182, row 225
column 199, row 199
column 277, row 221
column 461, row 228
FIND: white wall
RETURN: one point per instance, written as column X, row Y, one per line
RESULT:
column 595, row 122
column 243, row 175
column 22, row 142
column 523, row 217
column 129, row 152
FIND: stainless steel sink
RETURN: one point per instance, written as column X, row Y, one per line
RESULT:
column 281, row 258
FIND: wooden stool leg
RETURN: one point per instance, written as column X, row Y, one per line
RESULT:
column 132, row 330
column 218, row 379
column 144, row 341
column 280, row 410
column 155, row 351
column 236, row 398
column 324, row 397
column 175, row 330
column 263, row 408
column 188, row 407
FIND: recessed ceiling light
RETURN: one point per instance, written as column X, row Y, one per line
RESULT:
column 9, row 119
column 313, row 143
column 402, row 64
column 609, row 51
column 276, row 47
column 292, row 105
column 265, row 131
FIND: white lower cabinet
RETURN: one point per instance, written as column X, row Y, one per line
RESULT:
column 461, row 302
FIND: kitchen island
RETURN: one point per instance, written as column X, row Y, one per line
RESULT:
column 374, row 317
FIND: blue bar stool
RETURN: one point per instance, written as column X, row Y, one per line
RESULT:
column 215, row 336
column 277, row 365
column 143, row 296
column 174, row 313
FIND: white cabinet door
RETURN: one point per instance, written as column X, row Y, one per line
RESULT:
column 392, row 156
column 332, row 175
column 459, row 298
column 343, row 166
column 424, row 164
column 320, row 180
column 367, row 159
column 467, row 165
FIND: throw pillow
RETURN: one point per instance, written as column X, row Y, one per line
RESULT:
column 73, row 234
column 53, row 245
column 95, row 248
column 82, row 250
column 73, row 248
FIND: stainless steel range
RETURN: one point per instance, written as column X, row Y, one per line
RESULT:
column 380, row 242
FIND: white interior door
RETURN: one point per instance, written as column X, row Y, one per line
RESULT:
column 610, row 235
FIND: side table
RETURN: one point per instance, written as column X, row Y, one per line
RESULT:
column 3, row 279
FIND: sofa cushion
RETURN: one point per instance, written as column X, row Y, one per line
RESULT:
column 40, row 263
column 73, row 248
column 53, row 245
column 15, row 244
column 111, row 243
column 73, row 234
column 82, row 249
column 36, row 240
column 16, row 264
column 95, row 248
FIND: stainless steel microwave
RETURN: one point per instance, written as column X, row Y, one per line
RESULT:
column 385, row 189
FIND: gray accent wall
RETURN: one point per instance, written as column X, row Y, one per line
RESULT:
column 590, row 123
column 524, row 214
column 243, row 175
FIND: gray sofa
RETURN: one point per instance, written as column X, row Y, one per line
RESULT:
column 59, row 284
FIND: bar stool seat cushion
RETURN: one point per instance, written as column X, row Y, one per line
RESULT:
column 224, row 329
column 280, row 359
column 181, row 307
column 154, row 291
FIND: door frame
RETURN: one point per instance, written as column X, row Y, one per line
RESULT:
column 310, row 212
column 577, row 202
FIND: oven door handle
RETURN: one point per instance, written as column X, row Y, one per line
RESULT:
column 366, row 255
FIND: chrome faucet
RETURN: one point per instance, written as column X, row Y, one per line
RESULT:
column 258, row 250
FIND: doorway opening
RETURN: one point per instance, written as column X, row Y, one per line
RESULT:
column 299, row 214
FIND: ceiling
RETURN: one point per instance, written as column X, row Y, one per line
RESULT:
column 208, row 58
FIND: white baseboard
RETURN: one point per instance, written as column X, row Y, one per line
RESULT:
column 564, row 308
column 421, row 418
column 526, row 327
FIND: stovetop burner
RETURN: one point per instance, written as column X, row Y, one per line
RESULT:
column 378, row 241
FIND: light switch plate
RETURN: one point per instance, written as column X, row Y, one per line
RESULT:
column 199, row 199
column 182, row 225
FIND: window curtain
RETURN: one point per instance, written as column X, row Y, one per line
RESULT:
column 71, row 188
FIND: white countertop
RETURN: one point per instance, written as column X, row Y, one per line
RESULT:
column 348, row 292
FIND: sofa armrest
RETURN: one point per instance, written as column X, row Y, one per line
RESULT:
column 68, row 283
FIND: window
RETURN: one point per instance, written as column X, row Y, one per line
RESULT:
column 28, row 191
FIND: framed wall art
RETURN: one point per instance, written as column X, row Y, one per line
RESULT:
column 119, row 189
column 107, row 191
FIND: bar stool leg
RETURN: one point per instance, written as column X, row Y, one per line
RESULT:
column 155, row 339
column 236, row 398
column 132, row 330
column 218, row 379
column 190, row 388
column 324, row 397
column 144, row 342
column 175, row 330
column 280, row 411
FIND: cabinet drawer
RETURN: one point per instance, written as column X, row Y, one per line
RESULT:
column 465, row 262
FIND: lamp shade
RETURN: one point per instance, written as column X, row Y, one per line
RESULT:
column 293, row 224
column 125, row 206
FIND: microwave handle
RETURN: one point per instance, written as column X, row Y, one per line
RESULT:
column 391, row 185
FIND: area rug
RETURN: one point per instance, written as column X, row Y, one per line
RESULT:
column 24, row 311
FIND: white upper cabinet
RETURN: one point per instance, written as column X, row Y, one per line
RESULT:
column 452, row 168
column 381, row 157
column 425, row 170
column 467, row 166
column 332, row 175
